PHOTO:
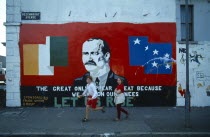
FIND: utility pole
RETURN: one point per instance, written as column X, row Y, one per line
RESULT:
column 187, row 94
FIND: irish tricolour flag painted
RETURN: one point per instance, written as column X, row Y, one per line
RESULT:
column 40, row 59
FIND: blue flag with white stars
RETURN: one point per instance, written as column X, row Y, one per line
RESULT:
column 155, row 57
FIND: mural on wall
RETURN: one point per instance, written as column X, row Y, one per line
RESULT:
column 199, row 74
column 181, row 91
column 183, row 57
column 195, row 57
column 57, row 58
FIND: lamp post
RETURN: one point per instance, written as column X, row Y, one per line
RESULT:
column 187, row 94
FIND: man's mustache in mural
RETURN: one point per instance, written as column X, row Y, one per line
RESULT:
column 90, row 62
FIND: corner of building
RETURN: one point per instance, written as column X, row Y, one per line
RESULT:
column 12, row 52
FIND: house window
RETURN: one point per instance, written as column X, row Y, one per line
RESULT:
column 183, row 23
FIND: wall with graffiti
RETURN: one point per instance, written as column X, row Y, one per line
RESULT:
column 199, row 61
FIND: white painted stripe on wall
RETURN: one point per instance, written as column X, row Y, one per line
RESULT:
column 101, row 11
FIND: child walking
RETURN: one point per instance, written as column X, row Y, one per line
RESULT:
column 119, row 99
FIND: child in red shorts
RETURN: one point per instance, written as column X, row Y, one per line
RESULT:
column 92, row 94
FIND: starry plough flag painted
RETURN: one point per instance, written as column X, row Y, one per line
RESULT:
column 156, row 58
column 40, row 59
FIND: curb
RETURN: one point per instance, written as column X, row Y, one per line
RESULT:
column 117, row 134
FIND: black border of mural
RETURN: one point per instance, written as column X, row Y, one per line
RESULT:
column 165, row 97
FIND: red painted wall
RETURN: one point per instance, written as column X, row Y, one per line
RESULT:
column 116, row 34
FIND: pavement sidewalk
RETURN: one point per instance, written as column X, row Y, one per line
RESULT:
column 143, row 121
